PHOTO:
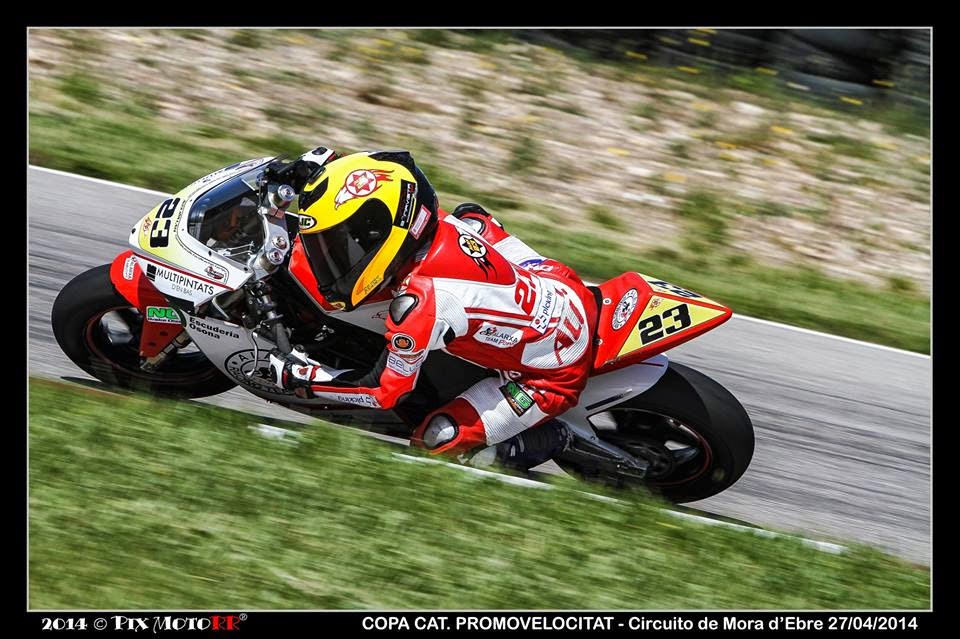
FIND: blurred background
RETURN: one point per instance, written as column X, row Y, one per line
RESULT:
column 785, row 173
column 797, row 160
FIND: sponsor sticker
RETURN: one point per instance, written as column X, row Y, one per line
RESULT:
column 307, row 222
column 361, row 183
column 471, row 246
column 357, row 399
column 624, row 309
column 162, row 315
column 474, row 248
column 212, row 330
column 498, row 336
column 403, row 342
column 544, row 313
column 215, row 272
column 128, row 265
column 520, row 402
column 372, row 284
column 178, row 282
column 401, row 365
column 408, row 199
column 536, row 261
column 420, row 223
column 667, row 287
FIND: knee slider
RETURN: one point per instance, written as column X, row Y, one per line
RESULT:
column 439, row 431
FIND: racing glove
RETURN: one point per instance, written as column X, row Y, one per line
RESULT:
column 301, row 171
column 294, row 371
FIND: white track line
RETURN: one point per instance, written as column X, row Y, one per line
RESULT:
column 838, row 337
column 87, row 178
column 849, row 340
column 530, row 483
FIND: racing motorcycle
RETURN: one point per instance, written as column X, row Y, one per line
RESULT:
column 216, row 278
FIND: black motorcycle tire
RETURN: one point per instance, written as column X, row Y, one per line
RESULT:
column 76, row 317
column 710, row 414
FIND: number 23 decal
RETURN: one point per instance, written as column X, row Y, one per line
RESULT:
column 160, row 231
column 652, row 328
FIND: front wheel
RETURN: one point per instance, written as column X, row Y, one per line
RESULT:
column 694, row 434
column 99, row 331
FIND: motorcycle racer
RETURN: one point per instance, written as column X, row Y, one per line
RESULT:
column 371, row 221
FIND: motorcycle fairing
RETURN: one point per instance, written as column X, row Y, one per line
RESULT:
column 642, row 316
column 161, row 237
column 132, row 283
column 616, row 386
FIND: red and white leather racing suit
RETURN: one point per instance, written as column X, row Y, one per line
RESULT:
column 485, row 296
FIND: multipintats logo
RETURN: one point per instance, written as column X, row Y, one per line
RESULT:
column 361, row 183
column 178, row 282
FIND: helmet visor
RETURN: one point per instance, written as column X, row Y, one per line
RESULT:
column 338, row 255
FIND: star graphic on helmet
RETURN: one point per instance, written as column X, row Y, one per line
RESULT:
column 361, row 183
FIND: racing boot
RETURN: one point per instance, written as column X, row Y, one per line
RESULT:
column 534, row 446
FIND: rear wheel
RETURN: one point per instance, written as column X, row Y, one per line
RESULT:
column 694, row 434
column 99, row 331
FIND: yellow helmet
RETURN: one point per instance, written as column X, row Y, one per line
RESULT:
column 361, row 219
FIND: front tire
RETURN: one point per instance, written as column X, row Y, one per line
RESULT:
column 98, row 330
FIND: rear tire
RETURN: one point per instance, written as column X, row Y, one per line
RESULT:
column 78, row 319
column 710, row 431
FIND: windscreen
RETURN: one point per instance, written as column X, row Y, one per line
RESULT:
column 226, row 218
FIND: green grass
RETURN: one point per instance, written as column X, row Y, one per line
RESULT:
column 602, row 216
column 128, row 150
column 432, row 37
column 524, row 154
column 706, row 217
column 247, row 39
column 847, row 146
column 82, row 87
column 139, row 503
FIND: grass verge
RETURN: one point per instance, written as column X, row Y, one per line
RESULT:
column 140, row 503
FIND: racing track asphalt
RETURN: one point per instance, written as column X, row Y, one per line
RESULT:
column 842, row 427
